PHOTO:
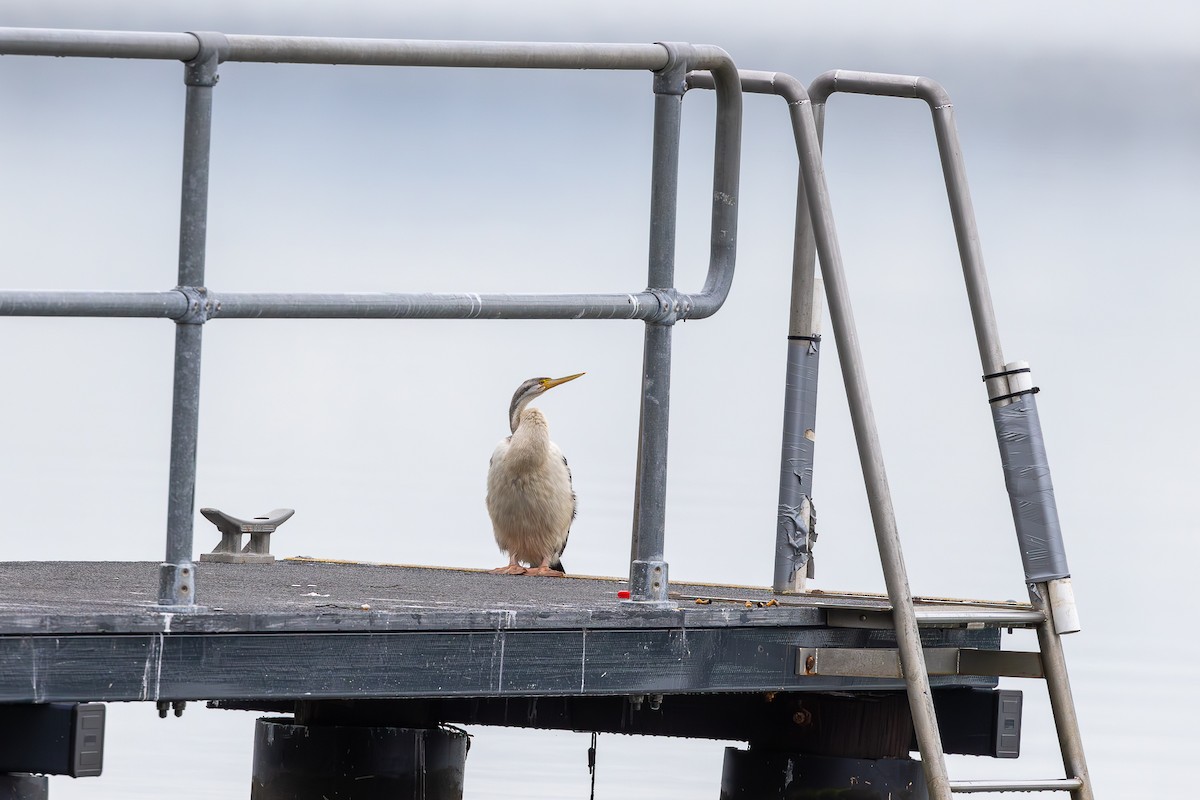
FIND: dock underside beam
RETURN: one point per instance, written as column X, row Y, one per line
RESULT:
column 870, row 725
column 390, row 664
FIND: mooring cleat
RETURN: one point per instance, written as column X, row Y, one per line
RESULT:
column 258, row 549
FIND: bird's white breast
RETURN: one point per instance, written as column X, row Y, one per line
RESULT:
column 529, row 497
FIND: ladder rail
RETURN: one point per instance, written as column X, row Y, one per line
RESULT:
column 992, row 361
column 817, row 234
column 1062, row 703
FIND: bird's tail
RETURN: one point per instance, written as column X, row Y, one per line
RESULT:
column 557, row 564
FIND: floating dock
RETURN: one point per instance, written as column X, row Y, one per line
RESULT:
column 361, row 648
column 302, row 629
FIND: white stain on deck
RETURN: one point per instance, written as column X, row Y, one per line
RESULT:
column 583, row 663
column 505, row 619
column 153, row 668
column 37, row 694
column 500, row 674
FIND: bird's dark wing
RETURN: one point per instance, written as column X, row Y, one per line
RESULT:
column 557, row 563
column 571, row 483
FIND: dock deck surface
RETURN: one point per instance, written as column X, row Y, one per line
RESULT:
column 303, row 628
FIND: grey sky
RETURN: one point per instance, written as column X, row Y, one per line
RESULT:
column 1079, row 124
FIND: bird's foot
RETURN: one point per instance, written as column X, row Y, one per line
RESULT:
column 545, row 572
column 510, row 569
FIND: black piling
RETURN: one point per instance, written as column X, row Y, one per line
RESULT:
column 23, row 786
column 759, row 774
column 339, row 762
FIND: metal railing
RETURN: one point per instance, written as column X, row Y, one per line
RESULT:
column 676, row 68
column 1018, row 431
column 191, row 304
column 1007, row 386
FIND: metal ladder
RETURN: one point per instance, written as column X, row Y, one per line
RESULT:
column 1010, row 393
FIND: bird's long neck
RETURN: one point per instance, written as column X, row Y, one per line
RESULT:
column 531, row 439
column 516, row 410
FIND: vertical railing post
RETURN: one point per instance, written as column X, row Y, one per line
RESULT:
column 795, row 529
column 177, row 574
column 796, row 520
column 647, row 568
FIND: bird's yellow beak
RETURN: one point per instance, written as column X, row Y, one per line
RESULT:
column 550, row 383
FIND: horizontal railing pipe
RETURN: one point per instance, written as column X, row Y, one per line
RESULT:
column 98, row 44
column 756, row 82
column 170, row 305
column 641, row 305
column 652, row 306
column 874, row 83
column 329, row 50
column 414, row 53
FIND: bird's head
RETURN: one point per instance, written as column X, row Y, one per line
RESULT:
column 530, row 389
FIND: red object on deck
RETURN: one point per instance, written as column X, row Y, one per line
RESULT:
column 623, row 594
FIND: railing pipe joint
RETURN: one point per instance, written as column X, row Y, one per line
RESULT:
column 202, row 69
column 648, row 584
column 672, row 77
column 932, row 93
column 199, row 306
column 673, row 306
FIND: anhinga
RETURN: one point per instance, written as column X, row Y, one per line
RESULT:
column 529, row 494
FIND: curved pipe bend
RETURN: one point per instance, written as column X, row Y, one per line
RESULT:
column 877, row 83
column 966, row 232
column 726, row 177
column 758, row 82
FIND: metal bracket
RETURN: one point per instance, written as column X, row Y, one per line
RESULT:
column 177, row 588
column 938, row 617
column 672, row 78
column 258, row 549
column 673, row 306
column 648, row 584
column 878, row 662
column 202, row 70
column 199, row 309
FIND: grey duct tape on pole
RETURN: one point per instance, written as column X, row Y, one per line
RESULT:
column 796, row 524
column 1031, row 492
